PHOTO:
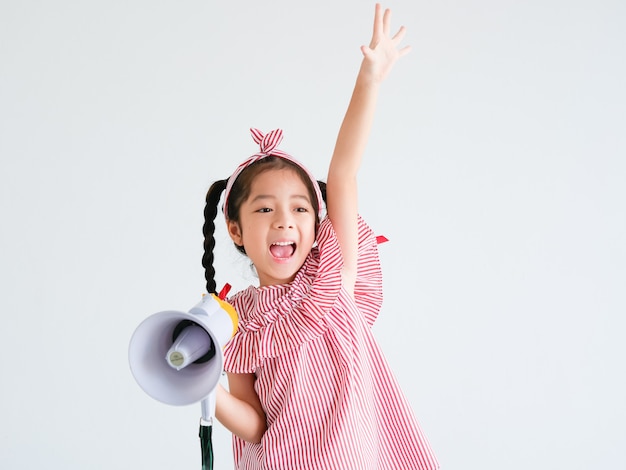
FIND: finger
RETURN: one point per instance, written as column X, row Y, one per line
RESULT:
column 378, row 20
column 386, row 21
column 399, row 35
column 404, row 51
column 378, row 26
column 365, row 50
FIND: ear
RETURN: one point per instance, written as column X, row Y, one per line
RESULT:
column 235, row 232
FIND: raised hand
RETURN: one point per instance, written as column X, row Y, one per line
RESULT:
column 384, row 50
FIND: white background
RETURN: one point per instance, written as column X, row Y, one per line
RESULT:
column 496, row 167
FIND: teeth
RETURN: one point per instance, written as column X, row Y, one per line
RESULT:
column 283, row 243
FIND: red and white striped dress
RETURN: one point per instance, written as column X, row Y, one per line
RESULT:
column 330, row 398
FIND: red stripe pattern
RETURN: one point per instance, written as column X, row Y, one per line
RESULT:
column 329, row 395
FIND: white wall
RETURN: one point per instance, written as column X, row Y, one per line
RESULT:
column 496, row 168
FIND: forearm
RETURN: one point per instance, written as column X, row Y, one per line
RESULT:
column 355, row 129
column 378, row 60
column 239, row 416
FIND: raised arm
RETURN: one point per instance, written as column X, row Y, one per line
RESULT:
column 378, row 59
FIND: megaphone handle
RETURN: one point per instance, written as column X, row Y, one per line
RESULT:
column 206, row 430
column 208, row 408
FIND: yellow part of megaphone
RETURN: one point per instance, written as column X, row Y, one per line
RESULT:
column 232, row 313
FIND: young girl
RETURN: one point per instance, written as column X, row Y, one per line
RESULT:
column 308, row 384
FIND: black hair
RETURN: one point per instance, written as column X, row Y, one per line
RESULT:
column 210, row 211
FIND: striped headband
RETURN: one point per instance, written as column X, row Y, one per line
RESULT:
column 268, row 144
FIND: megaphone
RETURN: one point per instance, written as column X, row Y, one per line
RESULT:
column 176, row 357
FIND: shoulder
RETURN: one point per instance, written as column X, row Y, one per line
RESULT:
column 327, row 238
column 244, row 302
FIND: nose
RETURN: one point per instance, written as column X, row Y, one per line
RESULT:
column 283, row 219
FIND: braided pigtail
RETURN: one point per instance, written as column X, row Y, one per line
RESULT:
column 210, row 212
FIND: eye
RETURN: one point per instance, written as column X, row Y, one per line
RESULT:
column 302, row 209
column 264, row 210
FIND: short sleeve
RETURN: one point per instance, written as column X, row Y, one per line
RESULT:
column 368, row 289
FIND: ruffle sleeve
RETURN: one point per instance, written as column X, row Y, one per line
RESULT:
column 368, row 289
column 277, row 319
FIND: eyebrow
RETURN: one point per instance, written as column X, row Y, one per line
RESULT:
column 262, row 197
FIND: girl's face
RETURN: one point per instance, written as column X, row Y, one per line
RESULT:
column 276, row 225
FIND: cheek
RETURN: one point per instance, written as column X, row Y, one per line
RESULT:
column 311, row 231
column 250, row 232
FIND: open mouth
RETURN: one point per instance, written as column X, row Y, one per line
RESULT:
column 282, row 250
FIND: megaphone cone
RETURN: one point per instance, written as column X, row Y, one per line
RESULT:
column 176, row 357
